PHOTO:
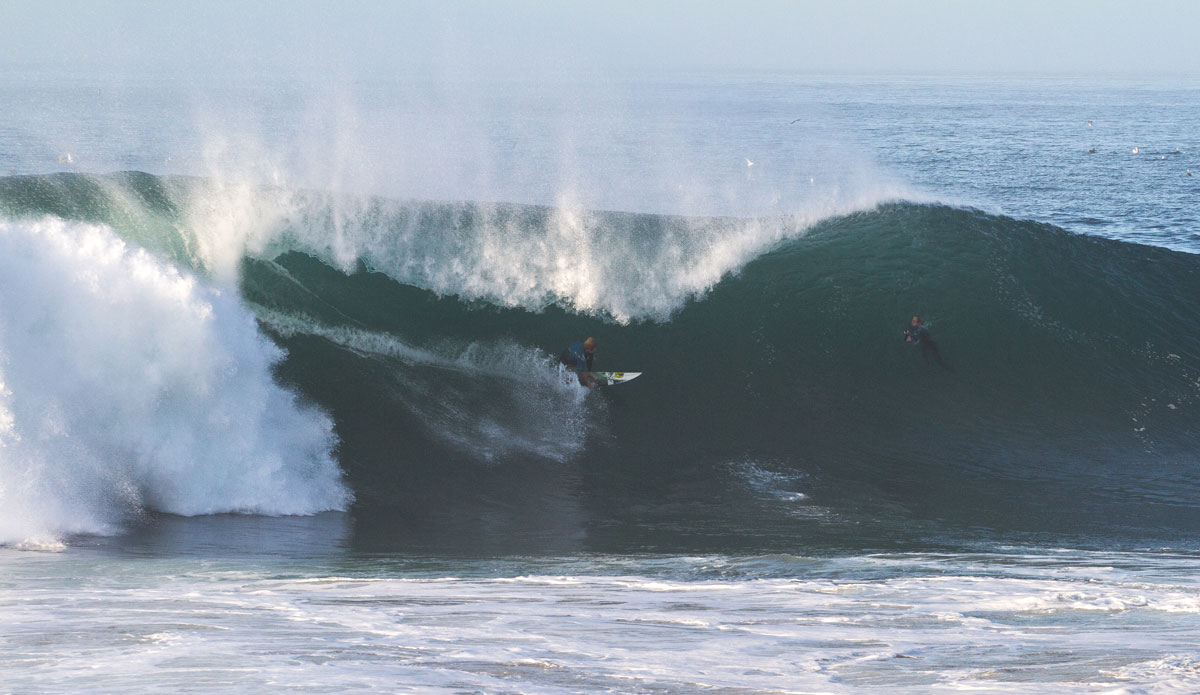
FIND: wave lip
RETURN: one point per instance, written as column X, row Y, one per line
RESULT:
column 623, row 266
column 129, row 386
column 617, row 265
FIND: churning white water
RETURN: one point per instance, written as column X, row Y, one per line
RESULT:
column 129, row 385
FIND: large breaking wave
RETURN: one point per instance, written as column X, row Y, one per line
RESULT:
column 127, row 385
column 778, row 393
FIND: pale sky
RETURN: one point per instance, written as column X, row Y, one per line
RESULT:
column 455, row 39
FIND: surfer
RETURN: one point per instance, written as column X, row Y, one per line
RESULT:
column 918, row 334
column 578, row 356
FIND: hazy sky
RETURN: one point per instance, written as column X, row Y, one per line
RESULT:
column 526, row 38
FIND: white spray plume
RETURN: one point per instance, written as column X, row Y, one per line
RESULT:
column 127, row 385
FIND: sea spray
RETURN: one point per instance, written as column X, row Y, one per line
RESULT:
column 1075, row 356
column 622, row 266
column 797, row 362
column 498, row 400
column 130, row 385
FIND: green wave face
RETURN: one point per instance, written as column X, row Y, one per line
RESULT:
column 773, row 356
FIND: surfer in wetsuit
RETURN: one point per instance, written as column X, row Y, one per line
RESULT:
column 918, row 334
column 578, row 356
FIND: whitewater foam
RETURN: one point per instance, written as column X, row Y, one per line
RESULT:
column 493, row 399
column 666, row 624
column 128, row 385
column 624, row 266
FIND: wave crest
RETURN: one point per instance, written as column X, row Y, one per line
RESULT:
column 129, row 385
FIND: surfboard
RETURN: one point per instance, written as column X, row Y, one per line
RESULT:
column 611, row 378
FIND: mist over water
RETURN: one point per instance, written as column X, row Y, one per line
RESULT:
column 338, row 172
column 661, row 147
column 433, row 353
column 526, row 212
column 227, row 307
column 282, row 290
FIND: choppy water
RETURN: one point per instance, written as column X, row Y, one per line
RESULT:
column 191, row 615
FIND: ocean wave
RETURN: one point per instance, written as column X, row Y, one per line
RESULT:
column 427, row 331
column 129, row 385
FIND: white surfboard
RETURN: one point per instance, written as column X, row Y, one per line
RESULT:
column 611, row 378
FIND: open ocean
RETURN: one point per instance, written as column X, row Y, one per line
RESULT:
column 280, row 408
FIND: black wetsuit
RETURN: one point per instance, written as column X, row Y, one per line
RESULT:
column 919, row 335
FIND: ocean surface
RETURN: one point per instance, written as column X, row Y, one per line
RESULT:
column 280, row 407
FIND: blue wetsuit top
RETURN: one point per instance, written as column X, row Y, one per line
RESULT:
column 577, row 358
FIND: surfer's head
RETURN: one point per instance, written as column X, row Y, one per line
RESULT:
column 916, row 321
column 589, row 345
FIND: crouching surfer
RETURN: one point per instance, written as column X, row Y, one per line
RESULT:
column 918, row 334
column 578, row 357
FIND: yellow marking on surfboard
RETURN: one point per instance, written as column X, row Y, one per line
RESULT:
column 618, row 375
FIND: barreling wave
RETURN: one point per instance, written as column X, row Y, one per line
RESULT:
column 772, row 353
column 510, row 255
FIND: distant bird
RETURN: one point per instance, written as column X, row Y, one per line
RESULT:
column 1135, row 150
column 1089, row 124
column 749, row 163
column 1092, row 151
column 796, row 121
